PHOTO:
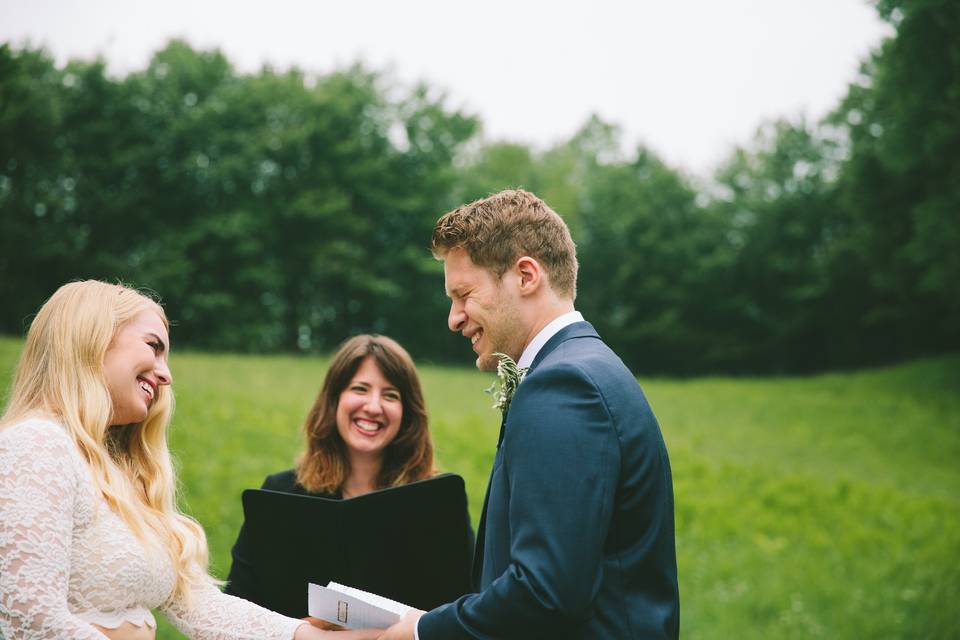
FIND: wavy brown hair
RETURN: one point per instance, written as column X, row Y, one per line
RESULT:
column 323, row 466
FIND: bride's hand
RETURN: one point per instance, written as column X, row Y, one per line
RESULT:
column 128, row 631
column 323, row 624
column 310, row 632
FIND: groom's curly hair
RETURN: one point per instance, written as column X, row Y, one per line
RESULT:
column 497, row 230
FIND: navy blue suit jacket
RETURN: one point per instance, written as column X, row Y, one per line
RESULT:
column 577, row 534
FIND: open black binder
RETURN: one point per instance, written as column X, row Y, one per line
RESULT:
column 411, row 543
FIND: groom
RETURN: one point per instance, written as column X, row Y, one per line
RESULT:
column 576, row 538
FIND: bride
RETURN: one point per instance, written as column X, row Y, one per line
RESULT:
column 90, row 536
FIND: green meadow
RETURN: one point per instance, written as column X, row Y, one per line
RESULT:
column 824, row 506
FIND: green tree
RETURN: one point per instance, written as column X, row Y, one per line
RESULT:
column 35, row 185
column 647, row 252
column 900, row 188
column 778, row 206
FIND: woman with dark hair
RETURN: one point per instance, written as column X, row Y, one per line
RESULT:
column 367, row 430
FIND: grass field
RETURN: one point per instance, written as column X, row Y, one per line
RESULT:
column 826, row 506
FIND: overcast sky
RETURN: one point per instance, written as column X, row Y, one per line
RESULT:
column 688, row 78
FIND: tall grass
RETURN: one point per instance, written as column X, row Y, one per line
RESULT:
column 826, row 506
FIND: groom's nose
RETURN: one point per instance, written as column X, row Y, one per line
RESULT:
column 456, row 317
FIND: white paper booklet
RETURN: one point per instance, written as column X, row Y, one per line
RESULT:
column 352, row 608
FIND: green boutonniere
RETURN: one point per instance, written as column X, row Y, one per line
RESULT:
column 509, row 377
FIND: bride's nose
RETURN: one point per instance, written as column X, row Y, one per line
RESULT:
column 162, row 371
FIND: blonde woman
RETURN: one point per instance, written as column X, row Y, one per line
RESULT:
column 90, row 536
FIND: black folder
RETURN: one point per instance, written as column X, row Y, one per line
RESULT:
column 411, row 543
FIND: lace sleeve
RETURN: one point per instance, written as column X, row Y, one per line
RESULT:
column 38, row 490
column 218, row 616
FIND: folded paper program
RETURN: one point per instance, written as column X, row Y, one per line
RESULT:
column 352, row 608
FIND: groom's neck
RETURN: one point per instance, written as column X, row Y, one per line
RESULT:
column 542, row 312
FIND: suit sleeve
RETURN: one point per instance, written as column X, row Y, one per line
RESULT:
column 561, row 459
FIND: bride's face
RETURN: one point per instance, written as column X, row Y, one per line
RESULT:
column 135, row 367
column 369, row 411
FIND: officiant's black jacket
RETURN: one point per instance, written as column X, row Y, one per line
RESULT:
column 577, row 534
column 242, row 581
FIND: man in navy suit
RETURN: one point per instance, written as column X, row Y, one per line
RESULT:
column 577, row 534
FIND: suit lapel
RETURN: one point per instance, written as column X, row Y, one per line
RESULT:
column 478, row 545
column 575, row 330
column 482, row 527
column 503, row 426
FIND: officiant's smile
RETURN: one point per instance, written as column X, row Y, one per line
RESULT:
column 369, row 411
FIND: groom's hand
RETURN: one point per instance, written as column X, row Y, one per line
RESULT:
column 323, row 624
column 404, row 629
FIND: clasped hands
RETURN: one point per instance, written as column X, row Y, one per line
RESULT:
column 402, row 630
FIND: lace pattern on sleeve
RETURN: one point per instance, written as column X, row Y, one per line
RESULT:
column 67, row 560
column 218, row 616
column 38, row 488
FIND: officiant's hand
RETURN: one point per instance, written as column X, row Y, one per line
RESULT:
column 404, row 629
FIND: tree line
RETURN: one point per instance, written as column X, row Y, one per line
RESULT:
column 283, row 210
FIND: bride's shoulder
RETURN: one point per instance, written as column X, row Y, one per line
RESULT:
column 36, row 433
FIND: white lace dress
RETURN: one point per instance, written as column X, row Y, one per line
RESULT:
column 67, row 560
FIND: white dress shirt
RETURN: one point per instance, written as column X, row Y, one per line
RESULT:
column 553, row 327
column 526, row 359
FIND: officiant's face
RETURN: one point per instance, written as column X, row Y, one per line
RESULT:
column 369, row 411
column 484, row 308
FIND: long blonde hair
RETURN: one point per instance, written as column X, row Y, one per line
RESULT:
column 60, row 375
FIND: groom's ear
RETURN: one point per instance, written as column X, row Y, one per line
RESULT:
column 530, row 274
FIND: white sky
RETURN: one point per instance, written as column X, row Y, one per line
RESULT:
column 688, row 78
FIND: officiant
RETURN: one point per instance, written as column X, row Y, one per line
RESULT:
column 367, row 430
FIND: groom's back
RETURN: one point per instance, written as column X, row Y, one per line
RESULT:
column 638, row 596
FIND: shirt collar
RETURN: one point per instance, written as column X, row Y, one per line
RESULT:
column 545, row 334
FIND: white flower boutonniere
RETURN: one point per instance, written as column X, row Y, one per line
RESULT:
column 509, row 377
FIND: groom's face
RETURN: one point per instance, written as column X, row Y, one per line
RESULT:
column 484, row 308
